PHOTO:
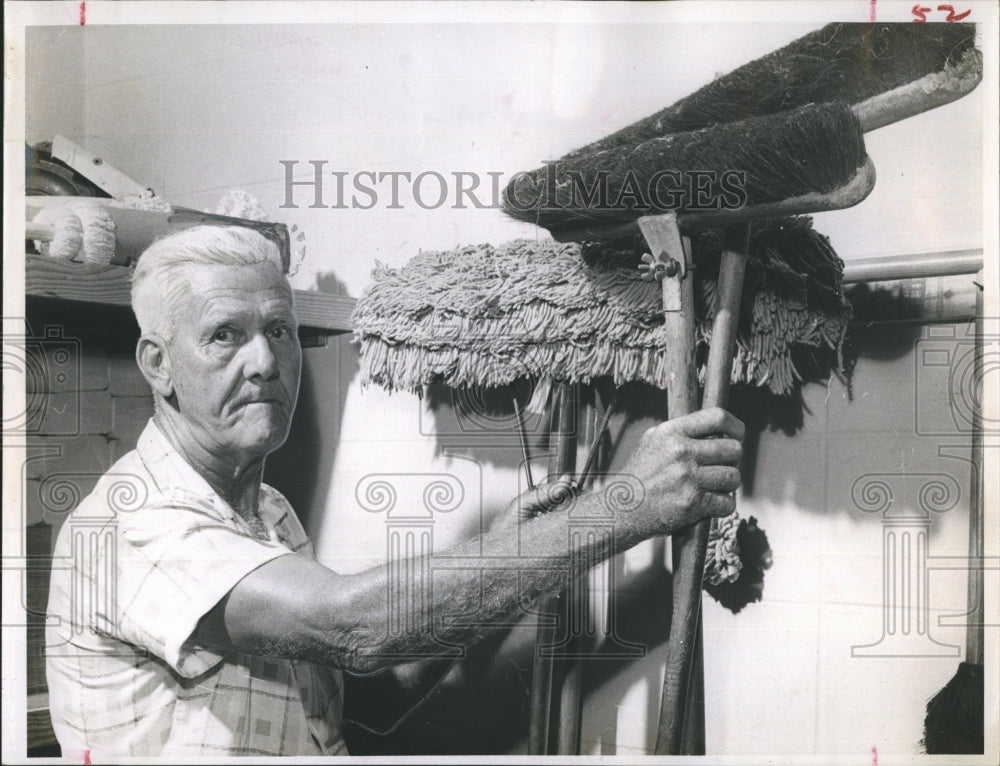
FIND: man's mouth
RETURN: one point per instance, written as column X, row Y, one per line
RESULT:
column 257, row 400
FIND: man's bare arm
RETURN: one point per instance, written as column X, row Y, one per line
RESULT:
column 683, row 471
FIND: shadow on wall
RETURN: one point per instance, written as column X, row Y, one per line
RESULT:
column 302, row 468
column 482, row 706
column 481, row 423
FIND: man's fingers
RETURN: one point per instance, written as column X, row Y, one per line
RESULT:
column 718, row 478
column 716, row 451
column 711, row 422
column 718, row 504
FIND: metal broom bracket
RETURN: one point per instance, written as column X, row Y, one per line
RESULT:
column 670, row 257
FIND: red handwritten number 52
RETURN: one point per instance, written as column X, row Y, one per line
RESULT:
column 921, row 13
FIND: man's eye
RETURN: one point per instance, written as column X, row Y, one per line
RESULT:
column 280, row 332
column 223, row 335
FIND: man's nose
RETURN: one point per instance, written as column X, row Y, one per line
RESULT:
column 260, row 361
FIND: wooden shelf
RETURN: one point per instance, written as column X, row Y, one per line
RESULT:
column 109, row 285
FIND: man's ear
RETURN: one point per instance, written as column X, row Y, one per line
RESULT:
column 154, row 362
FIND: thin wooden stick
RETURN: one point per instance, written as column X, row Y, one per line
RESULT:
column 974, row 638
column 560, row 462
column 693, row 734
column 578, row 612
column 690, row 557
column 598, row 438
column 524, row 442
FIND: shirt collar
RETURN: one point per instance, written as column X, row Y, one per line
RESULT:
column 169, row 469
column 175, row 475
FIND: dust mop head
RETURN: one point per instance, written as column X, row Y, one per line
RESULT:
column 67, row 236
column 847, row 63
column 98, row 244
column 488, row 316
column 81, row 231
column 815, row 149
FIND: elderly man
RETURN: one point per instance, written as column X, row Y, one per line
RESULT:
column 199, row 623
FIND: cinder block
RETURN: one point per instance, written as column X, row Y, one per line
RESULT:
column 31, row 365
column 94, row 369
column 85, row 455
column 59, row 494
column 31, row 503
column 129, row 416
column 38, row 447
column 124, row 378
column 50, row 499
column 96, row 412
column 78, row 412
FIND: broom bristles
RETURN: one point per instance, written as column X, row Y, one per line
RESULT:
column 846, row 62
column 954, row 722
column 814, row 149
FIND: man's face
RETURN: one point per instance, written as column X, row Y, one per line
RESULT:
column 235, row 359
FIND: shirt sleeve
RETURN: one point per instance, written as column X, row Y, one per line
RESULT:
column 175, row 561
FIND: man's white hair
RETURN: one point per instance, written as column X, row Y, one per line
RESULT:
column 159, row 282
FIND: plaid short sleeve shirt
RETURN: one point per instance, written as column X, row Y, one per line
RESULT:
column 141, row 560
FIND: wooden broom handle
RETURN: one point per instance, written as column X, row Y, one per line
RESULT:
column 40, row 231
column 719, row 371
column 689, row 555
column 974, row 638
column 561, row 461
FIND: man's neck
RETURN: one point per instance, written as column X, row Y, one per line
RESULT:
column 236, row 481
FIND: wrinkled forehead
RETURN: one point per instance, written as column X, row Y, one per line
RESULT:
column 207, row 279
column 211, row 289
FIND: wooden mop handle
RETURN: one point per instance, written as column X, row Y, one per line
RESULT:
column 689, row 560
column 974, row 638
column 719, row 372
column 40, row 231
column 561, row 461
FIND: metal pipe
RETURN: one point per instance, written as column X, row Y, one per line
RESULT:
column 913, row 266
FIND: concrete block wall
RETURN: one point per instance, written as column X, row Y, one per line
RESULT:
column 87, row 404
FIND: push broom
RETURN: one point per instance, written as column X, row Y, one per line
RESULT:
column 870, row 65
column 391, row 363
column 955, row 718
